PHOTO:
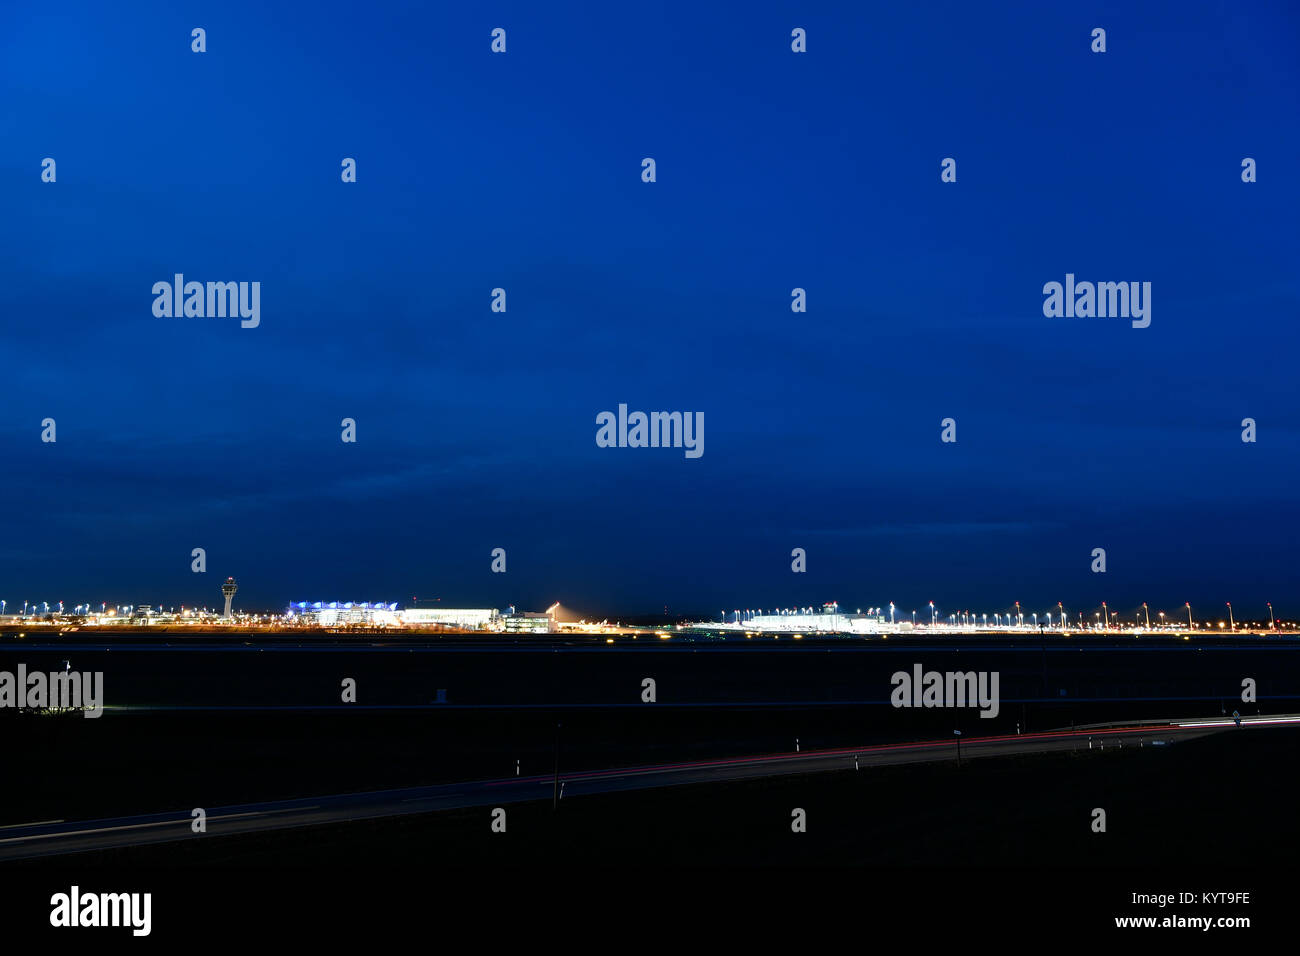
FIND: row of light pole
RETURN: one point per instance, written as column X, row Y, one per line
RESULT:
column 966, row 618
column 44, row 608
column 4, row 605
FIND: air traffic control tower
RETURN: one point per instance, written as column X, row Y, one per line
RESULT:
column 229, row 589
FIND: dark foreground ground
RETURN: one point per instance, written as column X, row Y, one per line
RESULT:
column 1001, row 850
column 1225, row 800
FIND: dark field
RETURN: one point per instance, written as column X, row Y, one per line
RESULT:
column 1217, row 801
column 1006, row 842
column 215, row 723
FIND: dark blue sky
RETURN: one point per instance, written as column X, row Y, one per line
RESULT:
column 477, row 429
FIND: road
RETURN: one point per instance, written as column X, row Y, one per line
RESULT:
column 57, row 837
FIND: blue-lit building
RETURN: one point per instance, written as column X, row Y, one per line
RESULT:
column 344, row 613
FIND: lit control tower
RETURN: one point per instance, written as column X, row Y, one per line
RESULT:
column 229, row 589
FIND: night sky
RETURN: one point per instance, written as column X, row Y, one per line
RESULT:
column 775, row 170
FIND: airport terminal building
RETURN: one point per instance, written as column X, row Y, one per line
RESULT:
column 469, row 619
column 379, row 614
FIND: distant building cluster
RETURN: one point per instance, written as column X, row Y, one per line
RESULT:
column 829, row 618
column 379, row 614
column 130, row 615
column 323, row 614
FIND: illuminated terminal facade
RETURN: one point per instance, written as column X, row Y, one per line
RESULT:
column 468, row 619
column 379, row 614
column 342, row 613
column 531, row 622
column 828, row 619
